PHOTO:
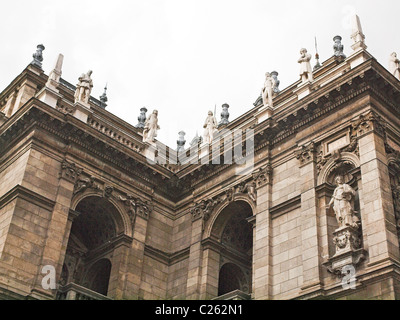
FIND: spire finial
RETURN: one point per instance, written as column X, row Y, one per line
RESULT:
column 358, row 35
column 317, row 65
column 103, row 98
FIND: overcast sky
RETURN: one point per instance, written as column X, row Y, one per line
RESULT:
column 183, row 57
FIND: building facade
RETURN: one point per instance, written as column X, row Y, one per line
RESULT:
column 80, row 200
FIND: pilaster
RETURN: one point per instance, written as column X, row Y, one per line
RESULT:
column 309, row 217
column 379, row 223
column 262, row 276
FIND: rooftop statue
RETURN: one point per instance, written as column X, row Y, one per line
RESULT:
column 210, row 127
column 150, row 127
column 305, row 66
column 84, row 88
column 268, row 90
column 394, row 65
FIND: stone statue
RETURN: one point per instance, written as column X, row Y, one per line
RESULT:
column 394, row 65
column 150, row 127
column 210, row 126
column 267, row 91
column 275, row 75
column 305, row 66
column 343, row 204
column 84, row 88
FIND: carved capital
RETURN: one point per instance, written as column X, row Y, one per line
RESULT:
column 263, row 176
column 70, row 171
column 369, row 122
column 306, row 154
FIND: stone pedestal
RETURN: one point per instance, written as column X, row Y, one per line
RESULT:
column 49, row 96
column 349, row 251
column 264, row 113
column 82, row 111
column 303, row 90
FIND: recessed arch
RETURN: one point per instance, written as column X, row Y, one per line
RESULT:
column 231, row 278
column 345, row 157
column 218, row 219
column 116, row 209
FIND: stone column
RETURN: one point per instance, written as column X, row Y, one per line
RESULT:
column 262, row 283
column 59, row 226
column 210, row 269
column 136, row 256
column 119, row 268
column 309, row 218
column 195, row 258
column 377, row 212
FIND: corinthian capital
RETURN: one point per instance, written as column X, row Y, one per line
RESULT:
column 263, row 176
column 70, row 171
column 306, row 154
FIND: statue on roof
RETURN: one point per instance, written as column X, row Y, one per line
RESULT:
column 84, row 88
column 210, row 127
column 305, row 66
column 268, row 90
column 394, row 65
column 150, row 127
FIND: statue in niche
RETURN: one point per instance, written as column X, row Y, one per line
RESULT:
column 84, row 88
column 343, row 204
column 268, row 89
column 150, row 127
column 394, row 65
column 210, row 127
column 305, row 66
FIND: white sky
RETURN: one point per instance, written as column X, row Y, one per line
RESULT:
column 182, row 57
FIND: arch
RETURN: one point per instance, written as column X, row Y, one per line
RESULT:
column 215, row 225
column 348, row 157
column 231, row 278
column 119, row 215
column 97, row 277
